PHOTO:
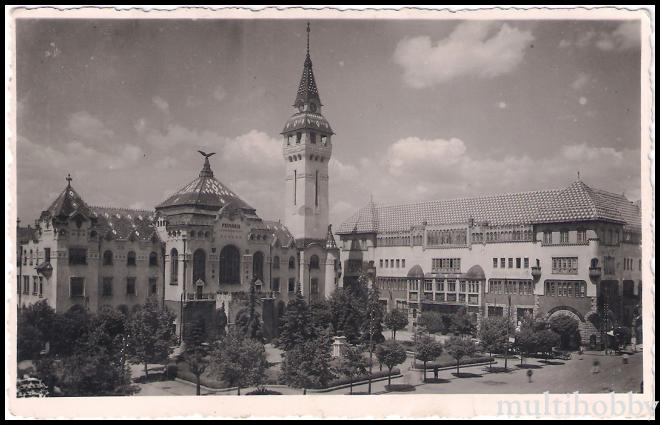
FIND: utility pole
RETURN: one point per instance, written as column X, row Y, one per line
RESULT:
column 508, row 325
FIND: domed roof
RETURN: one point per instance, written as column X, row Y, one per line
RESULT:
column 416, row 271
column 205, row 192
column 307, row 120
column 475, row 272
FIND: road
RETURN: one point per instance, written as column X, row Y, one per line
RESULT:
column 560, row 377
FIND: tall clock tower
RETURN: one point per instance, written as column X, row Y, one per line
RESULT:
column 307, row 148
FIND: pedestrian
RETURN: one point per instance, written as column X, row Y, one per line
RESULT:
column 596, row 367
column 529, row 375
column 435, row 372
column 625, row 359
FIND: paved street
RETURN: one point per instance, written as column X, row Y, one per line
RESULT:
column 561, row 377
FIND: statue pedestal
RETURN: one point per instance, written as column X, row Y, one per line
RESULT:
column 338, row 346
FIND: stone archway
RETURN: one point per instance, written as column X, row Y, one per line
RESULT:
column 582, row 335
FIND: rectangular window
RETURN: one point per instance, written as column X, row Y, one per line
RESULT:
column 312, row 137
column 298, row 137
column 609, row 265
column 397, row 263
column 276, row 284
column 324, row 140
column 292, row 285
column 451, row 286
column 130, row 286
column 564, row 265
column 494, row 263
column 510, row 263
column 547, row 238
column 502, row 263
column 47, row 255
column 446, row 265
column 387, row 263
column 582, row 236
column 526, row 262
column 153, row 286
column 26, row 285
column 35, row 285
column 440, row 285
column 518, row 263
column 563, row 236
column 77, row 287
column 381, row 263
column 77, row 256
column 314, row 286
column 41, row 286
column 106, row 291
column 403, row 263
column 495, row 311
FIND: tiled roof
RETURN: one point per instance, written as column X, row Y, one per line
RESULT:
column 307, row 120
column 504, row 209
column 307, row 88
column 123, row 223
column 579, row 202
column 279, row 232
column 205, row 192
column 68, row 203
column 25, row 234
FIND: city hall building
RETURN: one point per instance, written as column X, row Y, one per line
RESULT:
column 574, row 251
column 200, row 249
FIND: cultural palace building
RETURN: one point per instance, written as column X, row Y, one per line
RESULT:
column 199, row 250
column 573, row 251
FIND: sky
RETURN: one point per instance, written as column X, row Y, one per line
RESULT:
column 422, row 110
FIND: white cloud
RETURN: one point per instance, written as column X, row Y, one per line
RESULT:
column 412, row 153
column 86, row 126
column 581, row 81
column 502, row 105
column 474, row 48
column 625, row 36
column 161, row 104
column 219, row 93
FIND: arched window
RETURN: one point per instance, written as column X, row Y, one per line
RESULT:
column 314, row 262
column 276, row 262
column 107, row 258
column 130, row 258
column 258, row 265
column 199, row 266
column 292, row 263
column 153, row 259
column 230, row 262
column 174, row 267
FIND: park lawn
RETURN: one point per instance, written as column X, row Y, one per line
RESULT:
column 209, row 380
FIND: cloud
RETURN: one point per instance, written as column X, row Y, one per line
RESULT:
column 86, row 126
column 412, row 154
column 582, row 100
column 502, row 105
column 476, row 49
column 625, row 36
column 161, row 104
column 581, row 81
column 219, row 93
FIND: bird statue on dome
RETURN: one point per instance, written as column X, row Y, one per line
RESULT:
column 206, row 155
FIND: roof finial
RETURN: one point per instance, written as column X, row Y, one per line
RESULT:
column 307, row 38
column 206, row 169
column 68, row 180
column 578, row 175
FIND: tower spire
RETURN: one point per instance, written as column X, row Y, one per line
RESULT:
column 68, row 180
column 307, row 38
column 307, row 92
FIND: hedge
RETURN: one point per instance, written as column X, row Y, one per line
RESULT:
column 374, row 375
column 466, row 362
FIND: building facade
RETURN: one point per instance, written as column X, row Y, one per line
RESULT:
column 574, row 251
column 199, row 250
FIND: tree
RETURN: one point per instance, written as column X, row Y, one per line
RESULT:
column 150, row 335
column 373, row 329
column 321, row 315
column 395, row 320
column 526, row 341
column 296, row 327
column 353, row 363
column 493, row 334
column 391, row 354
column 428, row 349
column 458, row 348
column 308, row 365
column 222, row 321
column 240, row 361
column 432, row 321
column 196, row 353
column 546, row 340
column 248, row 320
column 461, row 323
column 566, row 326
column 348, row 311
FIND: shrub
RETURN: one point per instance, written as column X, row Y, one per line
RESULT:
column 171, row 371
column 359, row 378
column 473, row 360
column 264, row 391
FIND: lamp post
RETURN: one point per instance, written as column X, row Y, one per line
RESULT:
column 508, row 324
